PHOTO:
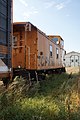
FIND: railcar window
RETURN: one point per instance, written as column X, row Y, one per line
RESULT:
column 41, row 53
column 55, row 40
column 50, row 50
column 57, row 53
column 62, row 43
column 14, row 41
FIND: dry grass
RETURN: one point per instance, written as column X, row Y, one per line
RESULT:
column 55, row 98
column 72, row 70
column 2, row 87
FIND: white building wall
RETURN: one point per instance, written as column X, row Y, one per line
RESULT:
column 71, row 59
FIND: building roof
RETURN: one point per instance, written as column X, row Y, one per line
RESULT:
column 72, row 52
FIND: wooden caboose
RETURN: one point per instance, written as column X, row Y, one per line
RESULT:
column 34, row 50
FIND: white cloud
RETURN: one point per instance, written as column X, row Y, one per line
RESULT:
column 29, row 10
column 26, row 15
column 34, row 10
column 63, row 4
column 49, row 4
column 29, row 13
column 24, row 2
column 57, row 5
column 60, row 6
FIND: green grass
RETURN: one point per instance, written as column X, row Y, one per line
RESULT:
column 54, row 98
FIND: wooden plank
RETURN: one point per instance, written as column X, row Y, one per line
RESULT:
column 3, row 49
column 2, row 75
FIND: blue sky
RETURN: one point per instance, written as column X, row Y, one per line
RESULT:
column 53, row 17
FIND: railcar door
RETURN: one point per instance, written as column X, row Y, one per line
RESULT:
column 30, row 60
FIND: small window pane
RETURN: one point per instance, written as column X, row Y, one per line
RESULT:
column 57, row 53
column 51, row 50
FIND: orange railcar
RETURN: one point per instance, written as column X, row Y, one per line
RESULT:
column 34, row 50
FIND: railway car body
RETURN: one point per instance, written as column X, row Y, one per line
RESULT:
column 5, row 38
column 34, row 50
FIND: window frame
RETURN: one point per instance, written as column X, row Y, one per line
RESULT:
column 57, row 53
column 14, row 40
column 50, row 50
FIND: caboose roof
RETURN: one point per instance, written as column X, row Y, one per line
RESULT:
column 19, row 24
